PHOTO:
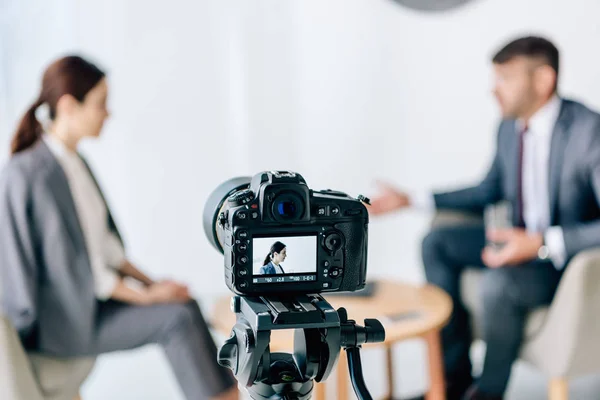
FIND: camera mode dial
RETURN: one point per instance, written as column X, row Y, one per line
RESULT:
column 240, row 198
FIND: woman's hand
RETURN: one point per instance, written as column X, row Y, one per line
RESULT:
column 168, row 291
column 182, row 290
column 128, row 269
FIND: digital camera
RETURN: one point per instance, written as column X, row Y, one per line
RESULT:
column 280, row 237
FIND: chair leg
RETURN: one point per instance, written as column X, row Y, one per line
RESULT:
column 558, row 389
column 320, row 390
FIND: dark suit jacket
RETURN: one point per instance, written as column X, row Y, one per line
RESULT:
column 574, row 180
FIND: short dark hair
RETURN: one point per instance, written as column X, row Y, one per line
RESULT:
column 530, row 46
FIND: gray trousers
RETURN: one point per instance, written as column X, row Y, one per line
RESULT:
column 180, row 329
column 507, row 295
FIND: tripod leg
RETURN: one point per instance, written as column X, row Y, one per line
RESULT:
column 436, row 367
column 389, row 354
column 342, row 377
column 356, row 374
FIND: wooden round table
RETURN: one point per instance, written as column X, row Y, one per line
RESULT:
column 406, row 311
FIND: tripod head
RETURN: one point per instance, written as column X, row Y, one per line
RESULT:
column 320, row 333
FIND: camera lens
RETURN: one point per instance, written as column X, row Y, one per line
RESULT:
column 213, row 207
column 287, row 207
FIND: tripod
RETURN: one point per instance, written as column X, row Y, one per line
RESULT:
column 320, row 333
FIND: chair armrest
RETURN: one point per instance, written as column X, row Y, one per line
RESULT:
column 450, row 218
column 30, row 376
column 567, row 344
column 60, row 378
column 17, row 380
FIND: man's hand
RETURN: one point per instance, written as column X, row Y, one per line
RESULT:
column 389, row 199
column 518, row 247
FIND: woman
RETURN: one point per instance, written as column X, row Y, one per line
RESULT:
column 272, row 263
column 62, row 261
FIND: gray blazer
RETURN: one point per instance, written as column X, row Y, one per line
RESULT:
column 574, row 180
column 45, row 272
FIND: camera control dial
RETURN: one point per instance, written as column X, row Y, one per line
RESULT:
column 333, row 242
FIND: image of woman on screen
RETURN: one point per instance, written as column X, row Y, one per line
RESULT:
column 272, row 263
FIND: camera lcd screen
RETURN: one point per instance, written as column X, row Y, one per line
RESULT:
column 284, row 259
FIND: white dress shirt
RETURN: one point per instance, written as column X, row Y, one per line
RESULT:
column 104, row 249
column 536, row 195
column 536, row 200
column 278, row 268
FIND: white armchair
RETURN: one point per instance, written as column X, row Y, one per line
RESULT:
column 562, row 340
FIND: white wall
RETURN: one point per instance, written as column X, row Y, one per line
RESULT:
column 342, row 91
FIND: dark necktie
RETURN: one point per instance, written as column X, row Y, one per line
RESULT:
column 520, row 216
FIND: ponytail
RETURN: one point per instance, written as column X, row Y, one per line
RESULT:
column 29, row 130
column 267, row 259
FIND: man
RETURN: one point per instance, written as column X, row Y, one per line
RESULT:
column 547, row 165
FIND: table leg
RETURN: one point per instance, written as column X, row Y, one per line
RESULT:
column 343, row 377
column 390, row 371
column 437, row 389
